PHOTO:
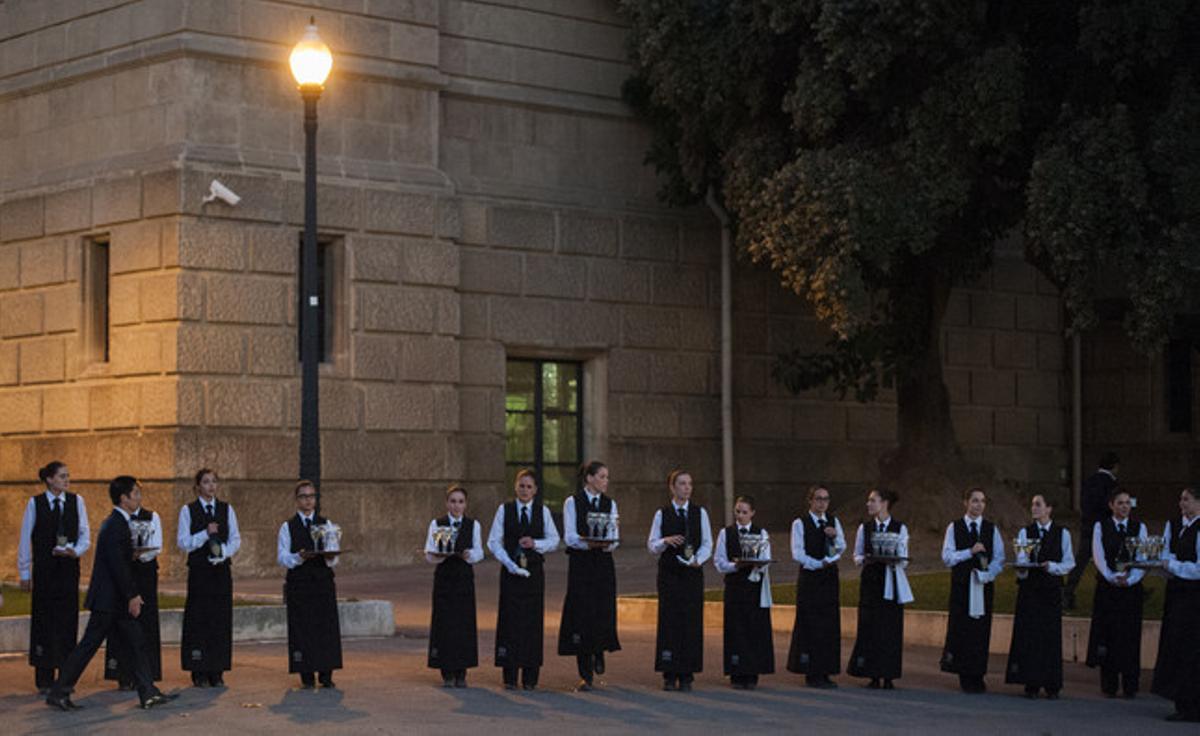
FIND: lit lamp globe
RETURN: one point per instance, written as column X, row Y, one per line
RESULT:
column 311, row 60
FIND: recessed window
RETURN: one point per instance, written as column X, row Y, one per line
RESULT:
column 329, row 268
column 95, row 298
column 543, row 424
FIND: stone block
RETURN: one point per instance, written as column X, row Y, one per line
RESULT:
column 161, row 193
column 642, row 417
column 172, row 296
column 160, row 403
column 1051, row 352
column 116, row 200
column 473, row 315
column 490, row 272
column 679, row 373
column 700, row 418
column 474, row 410
column 629, row 371
column 449, row 218
column 245, row 404
column 399, row 407
column 65, row 310
column 517, row 321
column 474, row 221
column 9, row 363
column 124, row 301
column 22, row 411
column 555, row 276
column 972, row 425
column 449, row 314
column 989, row 309
column 1039, row 389
column 483, row 363
column 584, row 325
column 341, row 405
column 589, row 235
column 968, row 348
column 958, row 385
column 212, row 245
column 680, row 286
column 399, row 212
column 1039, row 313
column 273, row 249
column 958, row 309
column 656, row 240
column 871, row 423
column 819, row 422
column 750, row 376
column 43, row 361
column 377, row 259
column 66, row 409
column 763, row 419
column 43, row 262
column 612, row 280
column 209, row 349
column 116, row 406
column 136, row 351
column 1137, row 389
column 135, row 247
column 519, row 227
column 68, row 211
column 651, row 328
column 10, row 267
column 1014, row 350
column 376, row 357
column 1052, row 428
column 993, row 388
column 431, row 263
column 1012, row 274
column 434, row 359
column 273, row 353
column 21, row 314
column 247, row 299
column 21, row 219
column 1016, row 427
column 701, row 243
column 397, row 308
column 445, row 409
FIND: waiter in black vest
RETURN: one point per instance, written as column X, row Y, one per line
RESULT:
column 1115, row 637
column 522, row 534
column 589, row 617
column 1093, row 506
column 314, row 633
column 115, row 603
column 974, row 552
column 208, row 535
column 818, row 541
column 1177, row 671
column 54, row 535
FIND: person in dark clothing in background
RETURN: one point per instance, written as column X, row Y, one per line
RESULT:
column 1093, row 506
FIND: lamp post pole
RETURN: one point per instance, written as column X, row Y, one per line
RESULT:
column 310, row 348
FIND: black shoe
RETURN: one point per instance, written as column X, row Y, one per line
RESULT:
column 583, row 686
column 447, row 681
column 1129, row 695
column 685, row 687
column 62, row 702
column 889, row 685
column 156, row 700
column 43, row 691
column 327, row 683
column 308, row 683
column 829, row 684
column 874, row 683
column 199, row 679
column 1031, row 693
column 217, row 680
column 529, row 687
column 1051, row 695
column 668, row 684
column 460, row 681
column 510, row 686
column 598, row 663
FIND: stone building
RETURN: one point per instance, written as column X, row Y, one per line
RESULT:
column 495, row 262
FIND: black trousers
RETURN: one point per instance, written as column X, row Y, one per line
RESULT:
column 1083, row 555
column 101, row 625
column 529, row 675
column 310, row 678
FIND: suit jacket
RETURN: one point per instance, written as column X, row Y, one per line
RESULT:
column 113, row 583
column 1093, row 500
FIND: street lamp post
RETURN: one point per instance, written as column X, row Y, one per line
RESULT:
column 310, row 62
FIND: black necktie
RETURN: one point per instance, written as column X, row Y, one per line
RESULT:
column 57, row 517
column 682, row 514
column 208, row 511
column 596, row 503
column 1121, row 528
column 524, row 516
column 308, row 523
column 880, row 527
column 456, row 524
column 974, row 533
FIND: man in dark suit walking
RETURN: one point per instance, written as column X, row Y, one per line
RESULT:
column 114, row 602
column 1093, row 506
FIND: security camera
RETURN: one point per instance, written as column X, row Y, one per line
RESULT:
column 217, row 190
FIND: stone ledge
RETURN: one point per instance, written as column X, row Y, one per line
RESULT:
column 921, row 628
column 250, row 623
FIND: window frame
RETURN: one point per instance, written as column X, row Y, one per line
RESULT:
column 539, row 412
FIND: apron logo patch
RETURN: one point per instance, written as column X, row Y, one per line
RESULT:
column 804, row 658
column 501, row 651
column 37, row 649
column 576, row 638
column 860, row 661
column 112, row 663
column 666, row 655
column 735, row 659
column 197, row 655
column 297, row 656
column 433, row 651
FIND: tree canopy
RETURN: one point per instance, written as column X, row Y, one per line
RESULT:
column 872, row 152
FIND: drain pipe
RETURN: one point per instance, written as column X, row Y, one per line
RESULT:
column 726, row 352
column 1076, row 420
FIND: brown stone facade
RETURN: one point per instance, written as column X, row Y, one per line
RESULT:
column 483, row 191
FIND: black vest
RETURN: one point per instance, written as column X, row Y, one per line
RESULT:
column 1183, row 541
column 872, row 581
column 1051, row 550
column 962, row 540
column 200, row 521
column 816, row 544
column 514, row 530
column 733, row 545
column 45, row 533
column 1114, row 542
column 466, row 532
column 302, row 540
column 671, row 525
column 582, row 507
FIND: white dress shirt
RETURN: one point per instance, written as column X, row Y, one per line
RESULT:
column 656, row 545
column 798, row 552
column 1184, row 570
column 283, row 552
column 155, row 540
column 952, row 556
column 1066, row 565
column 895, row 580
column 760, row 572
column 25, row 544
column 474, row 554
column 570, row 533
column 543, row 546
column 189, row 542
column 1134, row 576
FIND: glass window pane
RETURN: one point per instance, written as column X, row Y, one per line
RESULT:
column 560, row 440
column 558, row 482
column 518, row 438
column 560, row 386
column 522, row 377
